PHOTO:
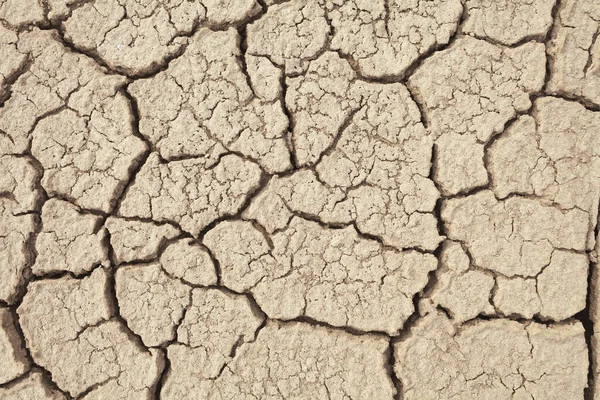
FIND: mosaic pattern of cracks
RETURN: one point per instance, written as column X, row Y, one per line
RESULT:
column 301, row 199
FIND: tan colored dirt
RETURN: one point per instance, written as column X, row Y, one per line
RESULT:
column 299, row 199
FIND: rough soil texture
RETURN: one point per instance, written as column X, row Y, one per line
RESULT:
column 299, row 199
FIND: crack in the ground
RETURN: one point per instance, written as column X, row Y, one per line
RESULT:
column 47, row 375
column 584, row 316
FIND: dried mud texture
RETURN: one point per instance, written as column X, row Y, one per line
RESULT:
column 14, row 362
column 469, row 91
column 69, row 240
column 212, row 108
column 136, row 240
column 299, row 199
column 189, row 192
column 540, row 361
column 31, row 386
column 135, row 37
column 575, row 52
column 329, row 275
column 508, row 22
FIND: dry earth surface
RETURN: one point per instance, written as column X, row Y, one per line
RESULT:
column 302, row 199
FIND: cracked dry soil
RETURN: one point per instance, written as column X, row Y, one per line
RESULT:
column 301, row 199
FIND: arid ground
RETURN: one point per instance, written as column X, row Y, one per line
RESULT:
column 299, row 199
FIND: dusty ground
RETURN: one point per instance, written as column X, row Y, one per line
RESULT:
column 262, row 199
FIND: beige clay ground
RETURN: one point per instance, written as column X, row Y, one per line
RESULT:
column 299, row 199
